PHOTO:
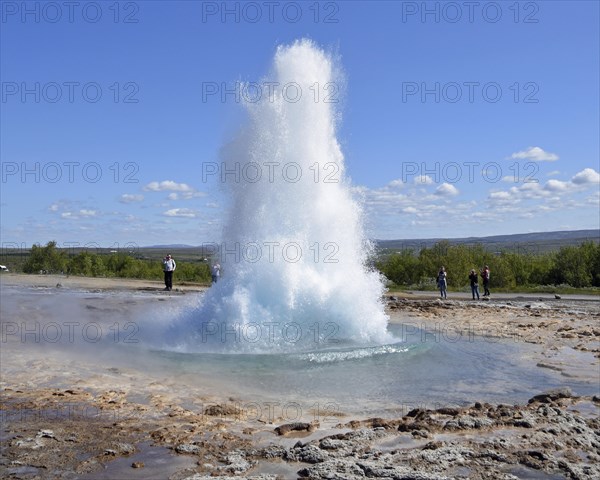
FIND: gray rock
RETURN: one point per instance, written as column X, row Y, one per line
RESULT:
column 272, row 451
column 294, row 427
column 236, row 462
column 332, row 444
column 552, row 395
column 199, row 476
column 307, row 454
column 187, row 448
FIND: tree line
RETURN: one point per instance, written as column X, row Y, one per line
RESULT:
column 50, row 259
column 576, row 266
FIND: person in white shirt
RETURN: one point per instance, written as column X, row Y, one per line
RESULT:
column 215, row 272
column 169, row 267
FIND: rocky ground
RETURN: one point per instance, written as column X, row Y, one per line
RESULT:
column 104, row 432
column 73, row 434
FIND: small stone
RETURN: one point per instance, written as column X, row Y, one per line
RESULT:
column 432, row 445
column 379, row 423
column 523, row 423
column 187, row 448
column 125, row 448
column 552, row 395
column 137, row 465
column 417, row 413
column 448, row 411
column 311, row 454
column 294, row 427
column 220, row 410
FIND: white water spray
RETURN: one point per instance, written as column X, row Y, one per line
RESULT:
column 294, row 251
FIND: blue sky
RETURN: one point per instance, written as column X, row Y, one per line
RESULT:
column 458, row 119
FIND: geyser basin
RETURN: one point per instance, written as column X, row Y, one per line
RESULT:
column 106, row 352
column 294, row 251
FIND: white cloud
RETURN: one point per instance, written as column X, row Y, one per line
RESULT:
column 553, row 173
column 423, row 180
column 168, row 185
column 501, row 195
column 593, row 199
column 212, row 205
column 529, row 190
column 130, row 198
column 393, row 210
column 180, row 191
column 396, row 183
column 77, row 215
column 557, row 186
column 586, row 176
column 87, row 213
column 53, row 207
column 180, row 212
column 554, row 195
column 192, row 194
column 446, row 189
column 536, row 154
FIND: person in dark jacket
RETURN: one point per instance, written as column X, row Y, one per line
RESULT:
column 442, row 282
column 485, row 275
column 474, row 285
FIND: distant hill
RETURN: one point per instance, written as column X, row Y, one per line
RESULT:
column 543, row 241
column 173, row 245
column 525, row 242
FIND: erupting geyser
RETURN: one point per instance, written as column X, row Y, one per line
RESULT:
column 293, row 251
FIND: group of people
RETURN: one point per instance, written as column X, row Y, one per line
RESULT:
column 442, row 282
column 169, row 267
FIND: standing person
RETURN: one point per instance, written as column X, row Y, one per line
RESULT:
column 485, row 275
column 474, row 286
column 169, row 267
column 442, row 282
column 215, row 272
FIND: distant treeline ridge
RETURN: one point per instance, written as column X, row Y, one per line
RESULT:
column 51, row 259
column 577, row 266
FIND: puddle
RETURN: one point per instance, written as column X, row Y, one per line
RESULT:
column 159, row 464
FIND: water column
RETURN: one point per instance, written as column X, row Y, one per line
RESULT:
column 294, row 250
